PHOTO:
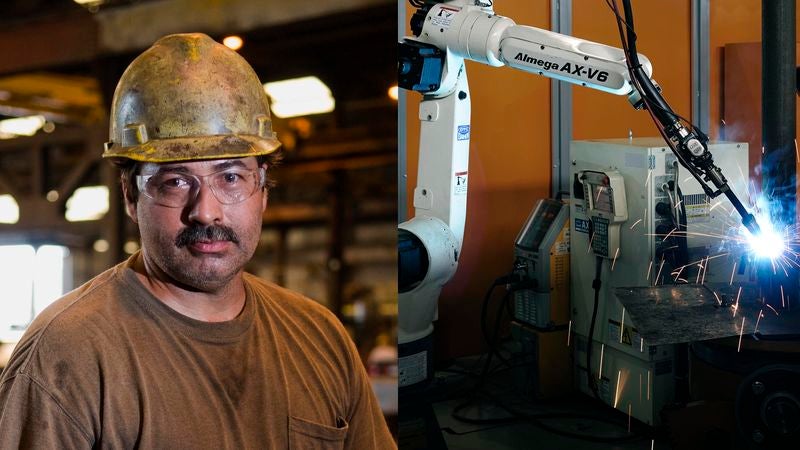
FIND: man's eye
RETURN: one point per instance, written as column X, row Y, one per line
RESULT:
column 173, row 182
column 231, row 177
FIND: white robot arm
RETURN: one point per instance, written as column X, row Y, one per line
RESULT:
column 432, row 63
column 475, row 33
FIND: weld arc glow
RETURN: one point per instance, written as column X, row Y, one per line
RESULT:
column 769, row 243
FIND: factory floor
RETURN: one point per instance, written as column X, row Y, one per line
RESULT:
column 451, row 413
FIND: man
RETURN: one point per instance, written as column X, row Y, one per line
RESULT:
column 178, row 347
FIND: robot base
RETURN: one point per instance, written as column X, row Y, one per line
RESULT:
column 415, row 364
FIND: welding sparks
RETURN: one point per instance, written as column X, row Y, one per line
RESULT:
column 613, row 263
column 648, row 385
column 760, row 315
column 629, row 417
column 783, row 299
column 705, row 269
column 770, row 242
column 736, row 306
column 773, row 310
column 661, row 266
column 622, row 325
column 635, row 223
column 569, row 332
column 733, row 272
column 741, row 333
column 600, row 369
column 649, row 269
column 616, row 396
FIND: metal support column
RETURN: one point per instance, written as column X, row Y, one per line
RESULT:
column 778, row 88
column 701, row 49
column 560, row 105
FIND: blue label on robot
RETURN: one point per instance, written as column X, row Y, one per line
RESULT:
column 463, row 132
column 582, row 226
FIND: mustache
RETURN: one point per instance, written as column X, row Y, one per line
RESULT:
column 208, row 233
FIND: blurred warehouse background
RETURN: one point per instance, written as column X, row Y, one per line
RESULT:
column 329, row 230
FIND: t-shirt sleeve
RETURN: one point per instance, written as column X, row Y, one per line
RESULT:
column 367, row 427
column 31, row 418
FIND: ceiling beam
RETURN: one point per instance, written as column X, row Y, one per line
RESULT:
column 65, row 40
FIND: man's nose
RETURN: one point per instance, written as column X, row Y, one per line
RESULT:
column 205, row 208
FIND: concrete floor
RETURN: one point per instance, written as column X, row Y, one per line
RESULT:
column 429, row 422
column 525, row 435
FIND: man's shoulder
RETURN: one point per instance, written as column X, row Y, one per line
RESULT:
column 65, row 326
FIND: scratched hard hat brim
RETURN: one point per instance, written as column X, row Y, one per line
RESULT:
column 189, row 98
column 196, row 148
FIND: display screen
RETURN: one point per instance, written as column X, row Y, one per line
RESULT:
column 603, row 198
column 538, row 223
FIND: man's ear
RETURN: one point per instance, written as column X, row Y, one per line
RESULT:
column 130, row 207
column 265, row 193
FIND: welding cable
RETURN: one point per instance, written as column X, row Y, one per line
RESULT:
column 501, row 281
column 493, row 344
column 596, row 283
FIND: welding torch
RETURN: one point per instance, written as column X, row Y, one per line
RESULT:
column 689, row 144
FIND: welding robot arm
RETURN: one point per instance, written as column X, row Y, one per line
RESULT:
column 432, row 63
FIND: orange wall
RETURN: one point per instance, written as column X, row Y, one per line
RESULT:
column 509, row 169
column 664, row 36
column 732, row 21
column 510, row 147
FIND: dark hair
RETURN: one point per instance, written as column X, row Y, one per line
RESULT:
column 129, row 168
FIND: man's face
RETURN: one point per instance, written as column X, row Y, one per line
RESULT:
column 203, row 244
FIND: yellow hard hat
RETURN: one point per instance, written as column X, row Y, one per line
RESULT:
column 187, row 98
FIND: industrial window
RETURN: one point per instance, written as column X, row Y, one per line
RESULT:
column 31, row 279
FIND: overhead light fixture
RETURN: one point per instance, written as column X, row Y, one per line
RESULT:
column 393, row 92
column 89, row 2
column 20, row 126
column 87, row 203
column 101, row 246
column 300, row 97
column 232, row 42
column 9, row 209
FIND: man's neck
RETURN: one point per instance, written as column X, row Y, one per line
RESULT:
column 218, row 306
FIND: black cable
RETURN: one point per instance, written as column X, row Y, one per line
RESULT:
column 504, row 280
column 596, row 283
column 493, row 343
column 516, row 415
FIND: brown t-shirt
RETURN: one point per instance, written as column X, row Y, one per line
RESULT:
column 110, row 366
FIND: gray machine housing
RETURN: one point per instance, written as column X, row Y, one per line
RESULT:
column 635, row 377
column 535, row 253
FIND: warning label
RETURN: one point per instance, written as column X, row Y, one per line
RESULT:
column 445, row 16
column 412, row 369
column 460, row 180
column 628, row 336
column 698, row 208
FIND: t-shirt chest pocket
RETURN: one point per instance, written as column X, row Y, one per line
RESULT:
column 306, row 435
